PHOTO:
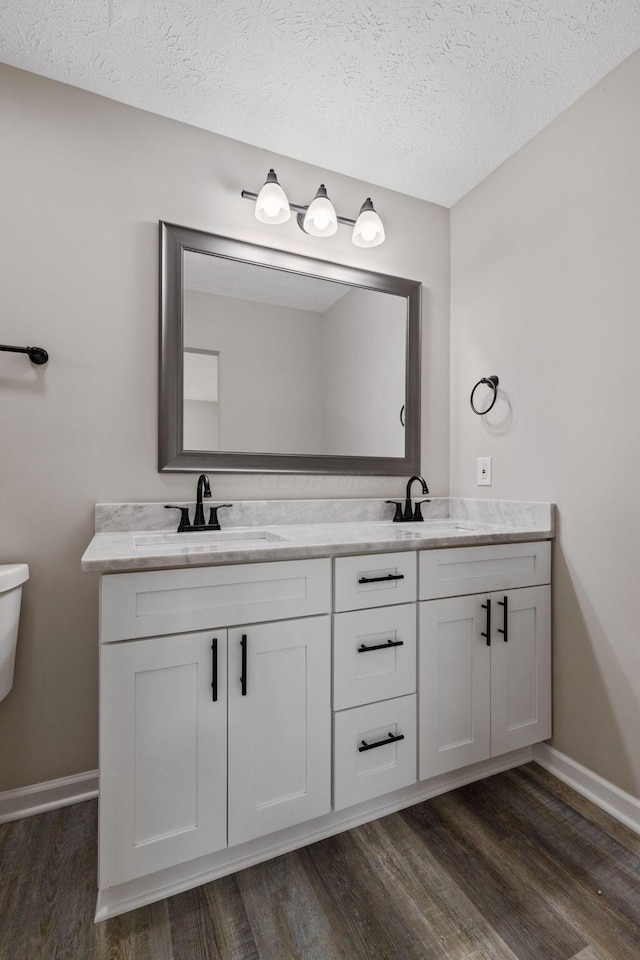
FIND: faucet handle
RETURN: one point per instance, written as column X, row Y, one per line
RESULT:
column 398, row 514
column 214, row 523
column 417, row 512
column 184, row 516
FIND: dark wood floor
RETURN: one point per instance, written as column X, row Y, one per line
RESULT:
column 517, row 867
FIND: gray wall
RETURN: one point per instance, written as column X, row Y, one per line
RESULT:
column 274, row 350
column 200, row 424
column 85, row 182
column 546, row 294
column 364, row 347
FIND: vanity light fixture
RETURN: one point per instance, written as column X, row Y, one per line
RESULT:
column 319, row 218
column 272, row 205
column 368, row 230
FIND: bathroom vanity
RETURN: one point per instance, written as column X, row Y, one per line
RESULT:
column 276, row 685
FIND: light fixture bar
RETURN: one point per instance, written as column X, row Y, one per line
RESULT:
column 298, row 208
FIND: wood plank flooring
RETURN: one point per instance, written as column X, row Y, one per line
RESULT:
column 516, row 867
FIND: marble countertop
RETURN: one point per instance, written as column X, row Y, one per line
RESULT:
column 353, row 526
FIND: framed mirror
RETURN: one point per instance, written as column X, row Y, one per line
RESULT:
column 276, row 362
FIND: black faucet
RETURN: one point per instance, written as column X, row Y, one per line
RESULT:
column 203, row 490
column 409, row 513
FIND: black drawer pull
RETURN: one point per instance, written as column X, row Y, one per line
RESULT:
column 380, row 743
column 243, row 675
column 381, row 646
column 389, row 576
column 214, row 668
column 505, row 622
column 487, row 606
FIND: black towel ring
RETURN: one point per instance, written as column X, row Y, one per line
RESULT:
column 490, row 382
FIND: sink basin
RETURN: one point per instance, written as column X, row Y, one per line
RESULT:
column 181, row 544
column 425, row 527
column 429, row 528
column 374, row 530
column 221, row 539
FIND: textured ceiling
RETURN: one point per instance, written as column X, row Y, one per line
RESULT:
column 422, row 96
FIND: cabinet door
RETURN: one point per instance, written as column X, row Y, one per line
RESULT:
column 520, row 668
column 279, row 726
column 454, row 685
column 163, row 753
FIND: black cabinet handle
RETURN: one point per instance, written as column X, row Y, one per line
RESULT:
column 380, row 646
column 243, row 676
column 380, row 743
column 214, row 669
column 487, row 606
column 505, row 624
column 389, row 576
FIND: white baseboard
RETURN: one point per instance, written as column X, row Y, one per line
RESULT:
column 623, row 806
column 40, row 797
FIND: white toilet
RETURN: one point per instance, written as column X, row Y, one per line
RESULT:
column 12, row 576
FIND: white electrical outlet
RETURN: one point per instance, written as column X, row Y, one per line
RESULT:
column 484, row 471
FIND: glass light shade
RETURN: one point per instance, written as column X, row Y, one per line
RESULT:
column 272, row 205
column 368, row 230
column 320, row 220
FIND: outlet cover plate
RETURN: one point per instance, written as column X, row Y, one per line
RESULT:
column 484, row 471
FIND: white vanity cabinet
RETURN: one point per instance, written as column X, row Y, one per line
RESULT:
column 243, row 713
column 374, row 676
column 485, row 658
column 211, row 738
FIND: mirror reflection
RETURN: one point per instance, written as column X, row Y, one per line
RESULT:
column 276, row 362
column 201, row 421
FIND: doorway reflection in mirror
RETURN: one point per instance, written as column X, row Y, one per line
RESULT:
column 201, row 408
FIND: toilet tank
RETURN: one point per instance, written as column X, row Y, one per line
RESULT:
column 12, row 576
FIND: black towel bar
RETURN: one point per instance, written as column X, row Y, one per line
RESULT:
column 36, row 354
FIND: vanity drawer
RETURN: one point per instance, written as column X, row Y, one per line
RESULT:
column 361, row 774
column 176, row 601
column 375, row 580
column 462, row 570
column 374, row 655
